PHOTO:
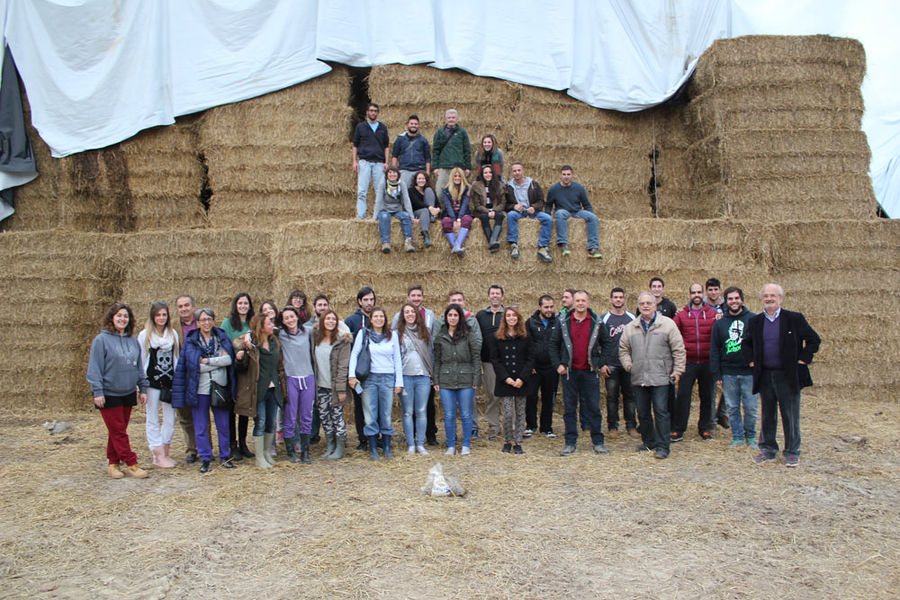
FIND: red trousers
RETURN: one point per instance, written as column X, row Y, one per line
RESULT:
column 118, row 447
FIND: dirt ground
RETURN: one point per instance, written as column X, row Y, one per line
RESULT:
column 706, row 523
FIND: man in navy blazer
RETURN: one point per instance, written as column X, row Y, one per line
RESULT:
column 780, row 345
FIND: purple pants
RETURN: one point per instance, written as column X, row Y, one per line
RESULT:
column 298, row 407
column 201, row 428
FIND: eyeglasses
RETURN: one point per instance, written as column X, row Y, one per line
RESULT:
column 205, row 320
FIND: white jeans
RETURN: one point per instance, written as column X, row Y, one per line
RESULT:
column 159, row 435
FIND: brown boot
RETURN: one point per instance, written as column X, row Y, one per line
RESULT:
column 136, row 472
column 114, row 472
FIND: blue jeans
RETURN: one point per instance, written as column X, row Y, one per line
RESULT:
column 562, row 217
column 449, row 398
column 512, row 226
column 775, row 394
column 265, row 414
column 378, row 400
column 414, row 398
column 368, row 172
column 738, row 392
column 584, row 386
column 384, row 225
column 655, row 427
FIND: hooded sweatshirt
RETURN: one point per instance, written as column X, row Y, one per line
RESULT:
column 114, row 366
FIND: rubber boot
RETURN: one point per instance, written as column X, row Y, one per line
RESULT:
column 426, row 238
column 460, row 239
column 268, row 442
column 329, row 437
column 494, row 242
column 304, row 449
column 451, row 239
column 291, row 451
column 235, row 453
column 373, row 447
column 386, row 443
column 259, row 446
column 486, row 228
column 242, row 437
column 340, row 442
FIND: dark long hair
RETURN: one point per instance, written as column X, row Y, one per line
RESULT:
column 494, row 188
column 462, row 329
column 421, row 329
column 234, row 318
column 386, row 329
column 107, row 322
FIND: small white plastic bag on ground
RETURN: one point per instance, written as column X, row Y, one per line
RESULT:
column 438, row 485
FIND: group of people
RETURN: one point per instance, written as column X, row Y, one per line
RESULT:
column 293, row 370
column 402, row 175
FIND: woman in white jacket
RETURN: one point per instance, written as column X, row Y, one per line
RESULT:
column 159, row 353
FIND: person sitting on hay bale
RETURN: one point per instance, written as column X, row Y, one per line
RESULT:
column 457, row 215
column 488, row 200
column 159, row 355
column 394, row 202
column 525, row 199
column 570, row 200
column 490, row 154
column 424, row 205
column 117, row 381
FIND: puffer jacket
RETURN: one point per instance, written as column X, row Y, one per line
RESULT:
column 511, row 357
column 246, row 396
column 457, row 363
column 339, row 364
column 696, row 331
column 541, row 336
column 187, row 371
column 654, row 355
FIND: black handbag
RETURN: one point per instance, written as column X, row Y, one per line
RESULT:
column 165, row 395
column 364, row 360
column 219, row 395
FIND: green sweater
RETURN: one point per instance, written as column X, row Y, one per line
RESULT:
column 231, row 333
column 455, row 152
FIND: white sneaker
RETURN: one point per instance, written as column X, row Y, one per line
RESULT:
column 450, row 451
column 421, row 450
column 465, row 451
column 411, row 450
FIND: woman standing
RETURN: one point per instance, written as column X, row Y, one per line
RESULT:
column 297, row 299
column 332, row 360
column 457, row 374
column 457, row 217
column 510, row 353
column 385, row 379
column 117, row 382
column 238, row 324
column 206, row 357
column 424, row 205
column 490, row 154
column 260, row 353
column 301, row 384
column 487, row 205
column 417, row 357
column 159, row 354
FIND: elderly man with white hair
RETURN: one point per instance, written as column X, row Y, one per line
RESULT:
column 450, row 148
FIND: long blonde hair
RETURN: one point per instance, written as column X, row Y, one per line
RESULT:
column 150, row 327
column 456, row 192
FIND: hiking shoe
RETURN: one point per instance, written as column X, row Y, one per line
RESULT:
column 567, row 451
column 386, row 248
column 706, row 436
column 762, row 458
column 660, row 453
column 613, row 433
column 601, row 449
column 565, row 249
column 507, row 448
column 676, row 437
column 644, row 448
column 723, row 421
column 549, row 434
column 737, row 444
column 517, row 449
column 204, row 466
column 528, row 433
column 227, row 463
column 408, row 245
column 634, row 433
column 514, row 250
column 594, row 253
column 544, row 255
column 792, row 461
column 752, row 443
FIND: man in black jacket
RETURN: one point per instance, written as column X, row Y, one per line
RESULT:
column 545, row 380
column 779, row 347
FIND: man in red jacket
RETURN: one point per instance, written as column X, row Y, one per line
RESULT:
column 695, row 322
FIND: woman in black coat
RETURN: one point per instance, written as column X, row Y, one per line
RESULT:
column 510, row 355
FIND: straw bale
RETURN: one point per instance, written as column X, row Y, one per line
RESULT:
column 837, row 245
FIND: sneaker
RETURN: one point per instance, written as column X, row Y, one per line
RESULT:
column 737, row 444
column 475, row 432
column 676, row 437
column 644, row 448
column 204, row 466
column 762, row 458
column 514, row 250
column 567, row 451
column 549, row 434
column 634, row 433
column 544, row 255
column 408, row 245
column 600, row 449
column 517, row 449
column 706, row 436
column 386, row 248
column 594, row 253
column 450, row 451
column 507, row 448
column 227, row 463
column 411, row 450
column 465, row 451
column 528, row 433
column 190, row 458
column 421, row 450
column 792, row 461
column 752, row 443
column 660, row 453
column 565, row 249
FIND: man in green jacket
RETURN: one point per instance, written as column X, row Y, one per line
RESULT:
column 450, row 148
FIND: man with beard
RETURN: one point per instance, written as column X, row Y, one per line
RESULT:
column 695, row 322
column 411, row 152
column 365, row 299
column 545, row 379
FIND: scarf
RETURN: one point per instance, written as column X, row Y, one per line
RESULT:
column 376, row 337
column 393, row 189
column 164, row 343
column 421, row 348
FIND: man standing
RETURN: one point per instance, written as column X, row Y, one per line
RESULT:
column 781, row 344
column 570, row 200
column 184, row 304
column 411, row 152
column 567, row 301
column 664, row 306
column 371, row 153
column 695, row 322
column 489, row 320
column 451, row 148
column 730, row 368
column 525, row 199
column 540, row 327
column 715, row 299
column 579, row 348
column 652, row 350
column 616, row 377
column 365, row 300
